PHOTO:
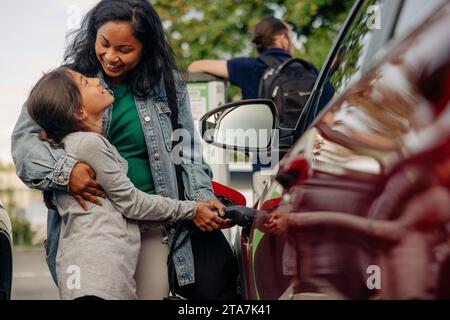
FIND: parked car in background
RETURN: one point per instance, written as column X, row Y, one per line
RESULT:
column 5, row 254
column 367, row 184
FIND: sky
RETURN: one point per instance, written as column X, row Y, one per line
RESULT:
column 32, row 41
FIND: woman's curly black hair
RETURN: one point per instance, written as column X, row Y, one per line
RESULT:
column 157, row 60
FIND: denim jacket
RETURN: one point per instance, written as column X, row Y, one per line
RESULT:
column 41, row 167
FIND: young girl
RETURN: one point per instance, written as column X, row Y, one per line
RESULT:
column 98, row 248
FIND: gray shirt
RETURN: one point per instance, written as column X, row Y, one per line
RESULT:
column 98, row 249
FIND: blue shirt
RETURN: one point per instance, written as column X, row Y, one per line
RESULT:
column 246, row 72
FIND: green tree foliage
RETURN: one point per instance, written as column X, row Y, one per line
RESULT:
column 22, row 232
column 223, row 28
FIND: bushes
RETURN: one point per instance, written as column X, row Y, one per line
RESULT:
column 22, row 232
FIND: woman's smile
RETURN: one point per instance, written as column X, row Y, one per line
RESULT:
column 112, row 67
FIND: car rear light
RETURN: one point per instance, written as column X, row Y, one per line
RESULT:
column 294, row 172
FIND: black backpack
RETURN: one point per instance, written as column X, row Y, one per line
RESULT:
column 289, row 84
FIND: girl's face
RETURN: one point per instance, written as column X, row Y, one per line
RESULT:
column 117, row 49
column 96, row 99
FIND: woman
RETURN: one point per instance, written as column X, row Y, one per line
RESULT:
column 123, row 43
column 100, row 242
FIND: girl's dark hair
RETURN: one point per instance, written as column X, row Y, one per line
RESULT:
column 53, row 103
column 265, row 32
column 157, row 57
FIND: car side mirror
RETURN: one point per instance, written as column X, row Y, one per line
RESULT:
column 246, row 125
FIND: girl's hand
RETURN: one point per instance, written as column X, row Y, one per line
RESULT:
column 206, row 219
column 83, row 185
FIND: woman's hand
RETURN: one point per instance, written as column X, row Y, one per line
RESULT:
column 83, row 185
column 206, row 219
column 215, row 204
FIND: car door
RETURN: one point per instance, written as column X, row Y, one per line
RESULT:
column 380, row 149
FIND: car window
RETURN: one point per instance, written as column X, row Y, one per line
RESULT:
column 413, row 13
column 348, row 62
column 370, row 32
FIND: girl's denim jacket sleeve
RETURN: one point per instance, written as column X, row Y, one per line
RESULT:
column 41, row 167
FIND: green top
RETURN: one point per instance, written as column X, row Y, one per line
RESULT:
column 127, row 136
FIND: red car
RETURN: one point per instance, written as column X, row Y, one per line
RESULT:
column 360, row 206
